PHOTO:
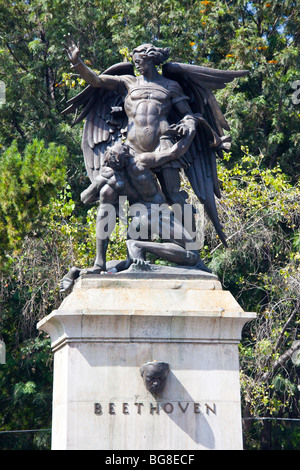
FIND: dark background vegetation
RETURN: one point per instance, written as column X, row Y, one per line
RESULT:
column 44, row 228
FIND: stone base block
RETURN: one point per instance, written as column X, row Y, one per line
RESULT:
column 109, row 326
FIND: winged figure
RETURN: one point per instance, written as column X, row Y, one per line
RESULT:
column 149, row 113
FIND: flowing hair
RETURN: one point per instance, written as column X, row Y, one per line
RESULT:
column 157, row 54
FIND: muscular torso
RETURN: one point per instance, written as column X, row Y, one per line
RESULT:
column 134, row 181
column 147, row 106
column 144, row 183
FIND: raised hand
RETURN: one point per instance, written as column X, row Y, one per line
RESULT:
column 72, row 49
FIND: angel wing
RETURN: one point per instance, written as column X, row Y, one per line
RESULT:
column 197, row 83
column 105, row 119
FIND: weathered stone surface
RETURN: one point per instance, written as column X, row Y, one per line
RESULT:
column 108, row 327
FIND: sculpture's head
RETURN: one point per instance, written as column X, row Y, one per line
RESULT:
column 155, row 375
column 147, row 55
column 116, row 156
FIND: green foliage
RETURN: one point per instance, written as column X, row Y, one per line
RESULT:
column 259, row 36
column 260, row 211
column 25, row 394
column 28, row 181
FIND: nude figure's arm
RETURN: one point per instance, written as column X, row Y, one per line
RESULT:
column 109, row 82
column 191, row 121
column 158, row 158
column 92, row 192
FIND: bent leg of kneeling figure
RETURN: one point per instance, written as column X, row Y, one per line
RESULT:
column 105, row 224
column 171, row 252
column 180, row 236
column 177, row 246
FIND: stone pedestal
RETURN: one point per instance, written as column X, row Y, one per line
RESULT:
column 111, row 325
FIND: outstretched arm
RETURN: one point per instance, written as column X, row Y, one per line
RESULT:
column 110, row 82
column 158, row 158
column 191, row 121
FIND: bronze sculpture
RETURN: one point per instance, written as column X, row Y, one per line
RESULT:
column 155, row 376
column 157, row 124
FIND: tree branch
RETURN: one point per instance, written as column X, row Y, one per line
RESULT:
column 282, row 360
column 16, row 59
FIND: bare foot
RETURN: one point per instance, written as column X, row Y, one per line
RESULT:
column 96, row 269
column 68, row 280
column 200, row 265
column 140, row 265
column 135, row 252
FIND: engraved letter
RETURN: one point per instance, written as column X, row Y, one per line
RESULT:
column 153, row 408
column 139, row 405
column 168, row 408
column 197, row 408
column 211, row 409
column 98, row 409
column 111, row 408
column 125, row 409
column 181, row 407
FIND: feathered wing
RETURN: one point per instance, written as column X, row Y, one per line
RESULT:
column 105, row 119
column 197, row 83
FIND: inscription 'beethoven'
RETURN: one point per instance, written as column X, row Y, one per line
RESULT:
column 143, row 408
